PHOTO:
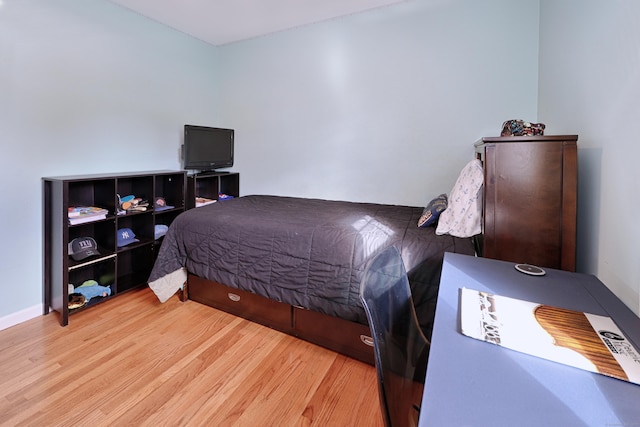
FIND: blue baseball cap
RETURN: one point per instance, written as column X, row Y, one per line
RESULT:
column 126, row 236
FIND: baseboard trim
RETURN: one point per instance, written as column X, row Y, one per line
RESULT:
column 20, row 316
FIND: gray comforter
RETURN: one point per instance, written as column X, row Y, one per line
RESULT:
column 305, row 252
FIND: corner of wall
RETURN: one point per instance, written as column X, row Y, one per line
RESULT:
column 20, row 316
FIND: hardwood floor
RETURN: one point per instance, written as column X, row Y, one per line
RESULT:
column 133, row 361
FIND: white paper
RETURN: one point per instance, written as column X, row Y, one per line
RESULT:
column 583, row 340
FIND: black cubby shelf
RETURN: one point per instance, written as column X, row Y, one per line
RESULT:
column 120, row 268
column 211, row 186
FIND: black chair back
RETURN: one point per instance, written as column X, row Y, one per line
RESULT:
column 401, row 350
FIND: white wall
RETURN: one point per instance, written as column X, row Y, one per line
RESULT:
column 85, row 86
column 589, row 85
column 382, row 106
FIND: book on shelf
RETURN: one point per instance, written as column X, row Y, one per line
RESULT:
column 77, row 211
column 203, row 201
column 82, row 214
column 84, row 219
column 583, row 340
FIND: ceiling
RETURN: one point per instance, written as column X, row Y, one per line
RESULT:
column 219, row 22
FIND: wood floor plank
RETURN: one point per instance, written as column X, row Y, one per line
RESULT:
column 299, row 373
column 346, row 379
column 217, row 377
column 134, row 361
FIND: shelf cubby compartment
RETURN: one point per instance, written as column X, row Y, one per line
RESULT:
column 141, row 225
column 207, row 186
column 230, row 184
column 101, row 231
column 138, row 186
column 211, row 185
column 102, row 269
column 171, row 187
column 99, row 193
column 134, row 266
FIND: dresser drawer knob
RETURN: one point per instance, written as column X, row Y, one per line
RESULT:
column 366, row 340
column 233, row 297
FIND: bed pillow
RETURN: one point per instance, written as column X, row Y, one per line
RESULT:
column 432, row 211
column 462, row 218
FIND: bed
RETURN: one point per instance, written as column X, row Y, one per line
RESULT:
column 295, row 264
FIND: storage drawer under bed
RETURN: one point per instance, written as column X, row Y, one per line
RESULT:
column 350, row 338
column 337, row 334
column 250, row 306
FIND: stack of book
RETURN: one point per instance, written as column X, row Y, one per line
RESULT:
column 82, row 214
column 203, row 201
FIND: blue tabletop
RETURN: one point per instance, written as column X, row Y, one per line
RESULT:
column 474, row 383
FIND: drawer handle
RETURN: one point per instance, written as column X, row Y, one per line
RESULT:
column 233, row 297
column 366, row 340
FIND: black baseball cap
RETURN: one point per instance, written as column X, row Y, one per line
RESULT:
column 83, row 247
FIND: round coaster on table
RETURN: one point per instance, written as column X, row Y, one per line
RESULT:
column 531, row 270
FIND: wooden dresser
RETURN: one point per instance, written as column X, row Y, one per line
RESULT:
column 530, row 199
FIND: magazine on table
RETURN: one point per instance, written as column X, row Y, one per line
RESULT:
column 583, row 340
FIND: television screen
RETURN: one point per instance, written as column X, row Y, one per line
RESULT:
column 207, row 148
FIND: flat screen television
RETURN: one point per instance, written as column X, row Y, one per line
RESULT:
column 206, row 149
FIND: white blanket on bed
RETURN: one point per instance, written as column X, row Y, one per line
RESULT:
column 166, row 286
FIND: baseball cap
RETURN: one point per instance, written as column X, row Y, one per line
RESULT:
column 160, row 230
column 126, row 236
column 160, row 204
column 83, row 247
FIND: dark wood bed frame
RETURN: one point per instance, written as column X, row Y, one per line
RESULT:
column 349, row 338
